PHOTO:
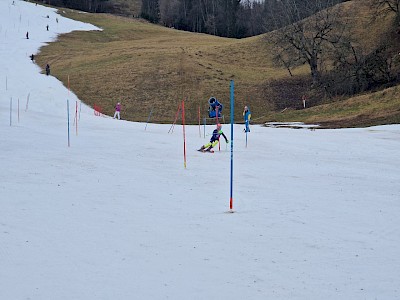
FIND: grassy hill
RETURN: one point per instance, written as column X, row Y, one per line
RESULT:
column 147, row 66
column 370, row 109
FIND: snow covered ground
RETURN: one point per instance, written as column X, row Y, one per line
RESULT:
column 116, row 215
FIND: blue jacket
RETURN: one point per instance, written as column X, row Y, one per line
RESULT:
column 246, row 115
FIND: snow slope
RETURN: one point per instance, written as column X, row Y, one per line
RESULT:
column 116, row 215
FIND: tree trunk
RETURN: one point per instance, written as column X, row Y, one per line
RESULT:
column 314, row 70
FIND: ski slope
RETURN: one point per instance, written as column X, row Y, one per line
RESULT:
column 117, row 216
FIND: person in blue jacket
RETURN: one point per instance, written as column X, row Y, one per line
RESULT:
column 214, row 139
column 214, row 107
column 247, row 117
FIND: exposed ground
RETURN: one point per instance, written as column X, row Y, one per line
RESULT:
column 146, row 66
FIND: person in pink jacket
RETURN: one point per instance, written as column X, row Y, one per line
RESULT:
column 117, row 111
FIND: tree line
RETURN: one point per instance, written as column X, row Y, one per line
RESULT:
column 226, row 18
column 93, row 6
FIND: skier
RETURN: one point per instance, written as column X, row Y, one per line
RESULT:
column 117, row 111
column 47, row 69
column 246, row 116
column 214, row 140
column 214, row 107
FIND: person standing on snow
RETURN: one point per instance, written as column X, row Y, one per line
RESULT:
column 246, row 116
column 117, row 111
column 47, row 69
column 214, row 139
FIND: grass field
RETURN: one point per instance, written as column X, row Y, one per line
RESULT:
column 377, row 108
column 146, row 66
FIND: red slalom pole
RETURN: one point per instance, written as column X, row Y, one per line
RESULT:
column 176, row 118
column 184, row 135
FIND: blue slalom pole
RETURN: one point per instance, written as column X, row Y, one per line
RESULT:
column 232, row 117
column 68, row 121
column 148, row 119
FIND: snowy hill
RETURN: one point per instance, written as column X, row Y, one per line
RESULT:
column 117, row 216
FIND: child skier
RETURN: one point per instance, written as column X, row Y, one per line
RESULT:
column 246, row 116
column 214, row 140
column 117, row 113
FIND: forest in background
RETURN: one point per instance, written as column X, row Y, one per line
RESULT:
column 225, row 18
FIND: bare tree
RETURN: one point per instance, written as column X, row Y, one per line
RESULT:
column 388, row 7
column 309, row 40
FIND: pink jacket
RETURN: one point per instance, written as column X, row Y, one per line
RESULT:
column 118, row 107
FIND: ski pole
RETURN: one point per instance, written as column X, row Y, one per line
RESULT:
column 148, row 119
column 27, row 102
column 205, row 121
column 184, row 133
column 199, row 123
column 10, row 111
column 68, row 122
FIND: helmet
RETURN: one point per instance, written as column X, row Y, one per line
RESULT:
column 219, row 126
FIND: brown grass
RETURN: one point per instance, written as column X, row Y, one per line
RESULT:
column 147, row 66
column 382, row 107
column 144, row 66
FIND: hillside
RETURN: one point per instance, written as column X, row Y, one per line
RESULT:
column 147, row 66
